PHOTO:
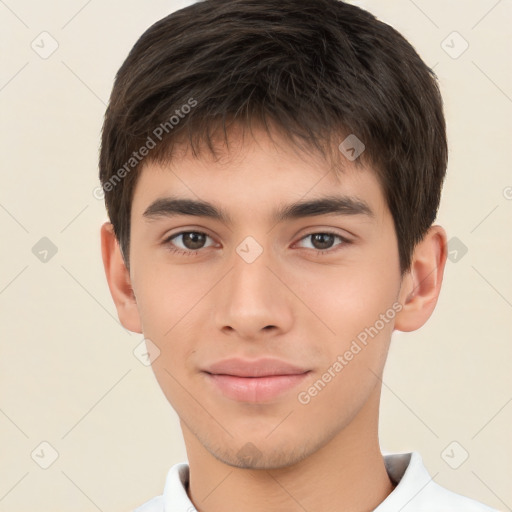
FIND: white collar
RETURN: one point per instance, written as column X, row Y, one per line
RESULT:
column 415, row 491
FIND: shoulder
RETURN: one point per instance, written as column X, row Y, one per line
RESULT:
column 416, row 490
column 452, row 501
column 154, row 505
column 174, row 497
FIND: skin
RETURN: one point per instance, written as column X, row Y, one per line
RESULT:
column 290, row 303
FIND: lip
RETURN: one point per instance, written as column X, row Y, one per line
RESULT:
column 256, row 380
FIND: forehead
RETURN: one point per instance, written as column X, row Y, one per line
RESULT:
column 255, row 173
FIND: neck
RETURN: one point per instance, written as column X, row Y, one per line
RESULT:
column 348, row 471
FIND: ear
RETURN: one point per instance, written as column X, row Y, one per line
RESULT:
column 118, row 278
column 421, row 285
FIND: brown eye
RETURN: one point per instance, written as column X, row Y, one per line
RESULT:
column 186, row 241
column 193, row 240
column 324, row 241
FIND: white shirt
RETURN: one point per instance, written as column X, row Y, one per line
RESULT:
column 415, row 490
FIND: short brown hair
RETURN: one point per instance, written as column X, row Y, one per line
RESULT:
column 315, row 69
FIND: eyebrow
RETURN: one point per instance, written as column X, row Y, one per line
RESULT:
column 329, row 205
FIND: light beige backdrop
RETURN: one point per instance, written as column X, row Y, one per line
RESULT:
column 68, row 374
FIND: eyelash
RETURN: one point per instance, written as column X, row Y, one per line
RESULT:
column 173, row 249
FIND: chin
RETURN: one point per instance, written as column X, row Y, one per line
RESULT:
column 261, row 455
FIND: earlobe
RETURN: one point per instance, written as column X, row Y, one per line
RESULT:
column 118, row 278
column 422, row 284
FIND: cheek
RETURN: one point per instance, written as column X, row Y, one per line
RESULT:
column 166, row 291
column 348, row 299
column 174, row 307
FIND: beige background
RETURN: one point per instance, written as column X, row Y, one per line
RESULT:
column 68, row 375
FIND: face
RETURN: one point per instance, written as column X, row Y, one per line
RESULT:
column 272, row 319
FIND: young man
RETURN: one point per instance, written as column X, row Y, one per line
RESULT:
column 272, row 170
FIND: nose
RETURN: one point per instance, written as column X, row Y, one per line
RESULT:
column 251, row 301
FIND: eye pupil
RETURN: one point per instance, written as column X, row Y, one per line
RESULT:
column 321, row 238
column 193, row 240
